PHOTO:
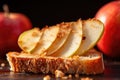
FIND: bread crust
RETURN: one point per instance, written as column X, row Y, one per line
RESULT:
column 91, row 63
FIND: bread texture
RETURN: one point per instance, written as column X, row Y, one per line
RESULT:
column 90, row 63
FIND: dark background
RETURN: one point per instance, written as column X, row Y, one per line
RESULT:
column 49, row 12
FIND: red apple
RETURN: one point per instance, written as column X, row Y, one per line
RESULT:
column 109, row 14
column 11, row 26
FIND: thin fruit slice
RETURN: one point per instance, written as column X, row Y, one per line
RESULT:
column 29, row 39
column 48, row 37
column 92, row 31
column 73, row 42
column 62, row 36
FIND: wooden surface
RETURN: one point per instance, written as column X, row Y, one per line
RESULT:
column 112, row 72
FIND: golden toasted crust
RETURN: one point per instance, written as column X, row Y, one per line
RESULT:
column 91, row 63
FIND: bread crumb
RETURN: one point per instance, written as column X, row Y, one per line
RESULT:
column 59, row 73
column 47, row 77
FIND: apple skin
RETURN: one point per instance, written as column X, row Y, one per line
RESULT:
column 109, row 43
column 11, row 26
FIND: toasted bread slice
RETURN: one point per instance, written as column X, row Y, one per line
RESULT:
column 41, row 60
column 91, row 63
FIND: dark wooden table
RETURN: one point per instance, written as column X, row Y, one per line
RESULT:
column 112, row 72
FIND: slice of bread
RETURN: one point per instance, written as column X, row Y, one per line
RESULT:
column 90, row 63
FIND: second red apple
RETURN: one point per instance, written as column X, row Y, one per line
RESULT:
column 109, row 14
column 11, row 26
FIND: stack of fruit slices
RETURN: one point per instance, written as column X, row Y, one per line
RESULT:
column 62, row 40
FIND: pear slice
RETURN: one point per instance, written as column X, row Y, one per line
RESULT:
column 62, row 36
column 92, row 32
column 29, row 39
column 73, row 42
column 48, row 37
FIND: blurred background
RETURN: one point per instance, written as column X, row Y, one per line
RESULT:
column 48, row 12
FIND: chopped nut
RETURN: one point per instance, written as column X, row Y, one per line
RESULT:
column 47, row 77
column 77, row 75
column 59, row 73
column 35, row 34
column 64, row 78
column 69, row 76
column 2, row 64
column 87, row 78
